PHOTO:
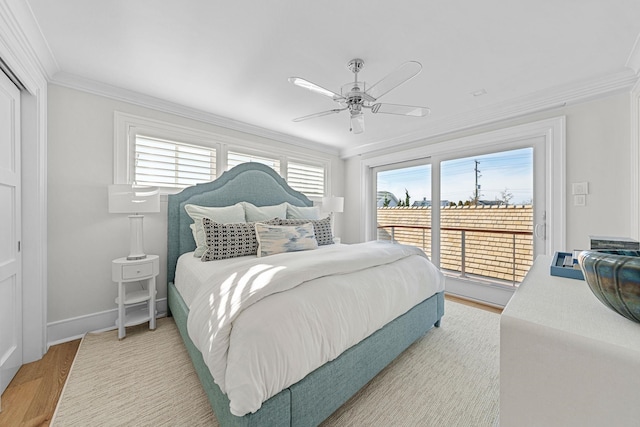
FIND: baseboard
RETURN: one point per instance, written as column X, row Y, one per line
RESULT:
column 73, row 328
column 494, row 295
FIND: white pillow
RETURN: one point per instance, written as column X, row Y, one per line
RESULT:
column 275, row 239
column 223, row 215
column 254, row 213
column 297, row 212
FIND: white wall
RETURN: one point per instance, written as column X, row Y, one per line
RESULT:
column 598, row 149
column 83, row 237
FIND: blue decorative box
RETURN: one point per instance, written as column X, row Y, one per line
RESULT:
column 558, row 268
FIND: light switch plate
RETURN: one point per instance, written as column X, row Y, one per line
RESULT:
column 579, row 200
column 580, row 188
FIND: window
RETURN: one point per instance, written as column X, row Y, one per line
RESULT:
column 478, row 241
column 172, row 157
column 546, row 138
column 236, row 158
column 172, row 164
column 306, row 178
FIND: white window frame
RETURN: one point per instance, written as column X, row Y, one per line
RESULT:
column 127, row 126
column 324, row 165
column 553, row 132
column 253, row 152
column 180, row 162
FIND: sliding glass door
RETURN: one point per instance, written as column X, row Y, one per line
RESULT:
column 474, row 212
column 403, row 205
column 486, row 222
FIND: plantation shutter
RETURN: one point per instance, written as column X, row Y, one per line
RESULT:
column 306, row 178
column 164, row 163
column 235, row 158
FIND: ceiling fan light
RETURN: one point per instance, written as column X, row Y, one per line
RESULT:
column 357, row 122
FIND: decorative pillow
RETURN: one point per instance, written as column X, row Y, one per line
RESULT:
column 275, row 239
column 224, row 215
column 230, row 240
column 297, row 212
column 321, row 228
column 255, row 213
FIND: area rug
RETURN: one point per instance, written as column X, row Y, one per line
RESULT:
column 447, row 378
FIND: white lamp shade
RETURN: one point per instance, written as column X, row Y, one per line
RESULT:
column 333, row 204
column 134, row 200
column 125, row 198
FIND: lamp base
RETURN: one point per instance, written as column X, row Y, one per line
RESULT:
column 136, row 246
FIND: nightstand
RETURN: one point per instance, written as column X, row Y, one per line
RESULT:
column 144, row 271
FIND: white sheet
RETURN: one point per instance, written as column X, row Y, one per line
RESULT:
column 263, row 324
column 192, row 274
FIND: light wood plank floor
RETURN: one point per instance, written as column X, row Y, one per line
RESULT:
column 32, row 396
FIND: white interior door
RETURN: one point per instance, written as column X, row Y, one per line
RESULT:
column 10, row 214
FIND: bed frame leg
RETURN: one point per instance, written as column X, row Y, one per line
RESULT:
column 437, row 324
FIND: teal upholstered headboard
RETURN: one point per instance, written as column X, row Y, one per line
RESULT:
column 248, row 182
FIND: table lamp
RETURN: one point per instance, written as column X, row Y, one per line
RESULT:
column 134, row 200
column 333, row 204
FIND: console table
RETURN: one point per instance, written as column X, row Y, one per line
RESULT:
column 566, row 359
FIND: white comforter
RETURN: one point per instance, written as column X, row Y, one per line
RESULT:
column 263, row 324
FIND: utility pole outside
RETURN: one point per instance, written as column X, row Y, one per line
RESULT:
column 477, row 191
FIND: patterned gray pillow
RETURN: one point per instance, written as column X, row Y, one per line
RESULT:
column 321, row 228
column 230, row 240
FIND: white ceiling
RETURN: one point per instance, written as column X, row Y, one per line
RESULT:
column 231, row 59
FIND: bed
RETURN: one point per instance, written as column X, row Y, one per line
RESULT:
column 316, row 395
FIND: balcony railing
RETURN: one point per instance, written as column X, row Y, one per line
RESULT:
column 502, row 255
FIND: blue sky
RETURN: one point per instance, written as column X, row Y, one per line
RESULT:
column 510, row 170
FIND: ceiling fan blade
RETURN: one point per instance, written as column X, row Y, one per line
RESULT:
column 401, row 110
column 357, row 123
column 306, row 84
column 394, row 79
column 324, row 113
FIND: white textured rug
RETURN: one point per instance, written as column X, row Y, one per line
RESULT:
column 447, row 378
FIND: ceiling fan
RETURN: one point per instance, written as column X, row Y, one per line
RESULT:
column 356, row 97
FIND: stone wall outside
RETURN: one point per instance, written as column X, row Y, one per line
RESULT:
column 487, row 254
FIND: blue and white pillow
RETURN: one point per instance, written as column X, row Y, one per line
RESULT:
column 321, row 228
column 275, row 239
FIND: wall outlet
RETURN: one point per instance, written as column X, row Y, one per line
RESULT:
column 579, row 200
column 580, row 188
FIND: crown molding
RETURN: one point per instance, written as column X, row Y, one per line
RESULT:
column 21, row 36
column 633, row 61
column 119, row 94
column 547, row 99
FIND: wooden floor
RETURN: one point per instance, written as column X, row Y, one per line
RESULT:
column 32, row 396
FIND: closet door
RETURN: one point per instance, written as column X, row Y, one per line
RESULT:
column 10, row 214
